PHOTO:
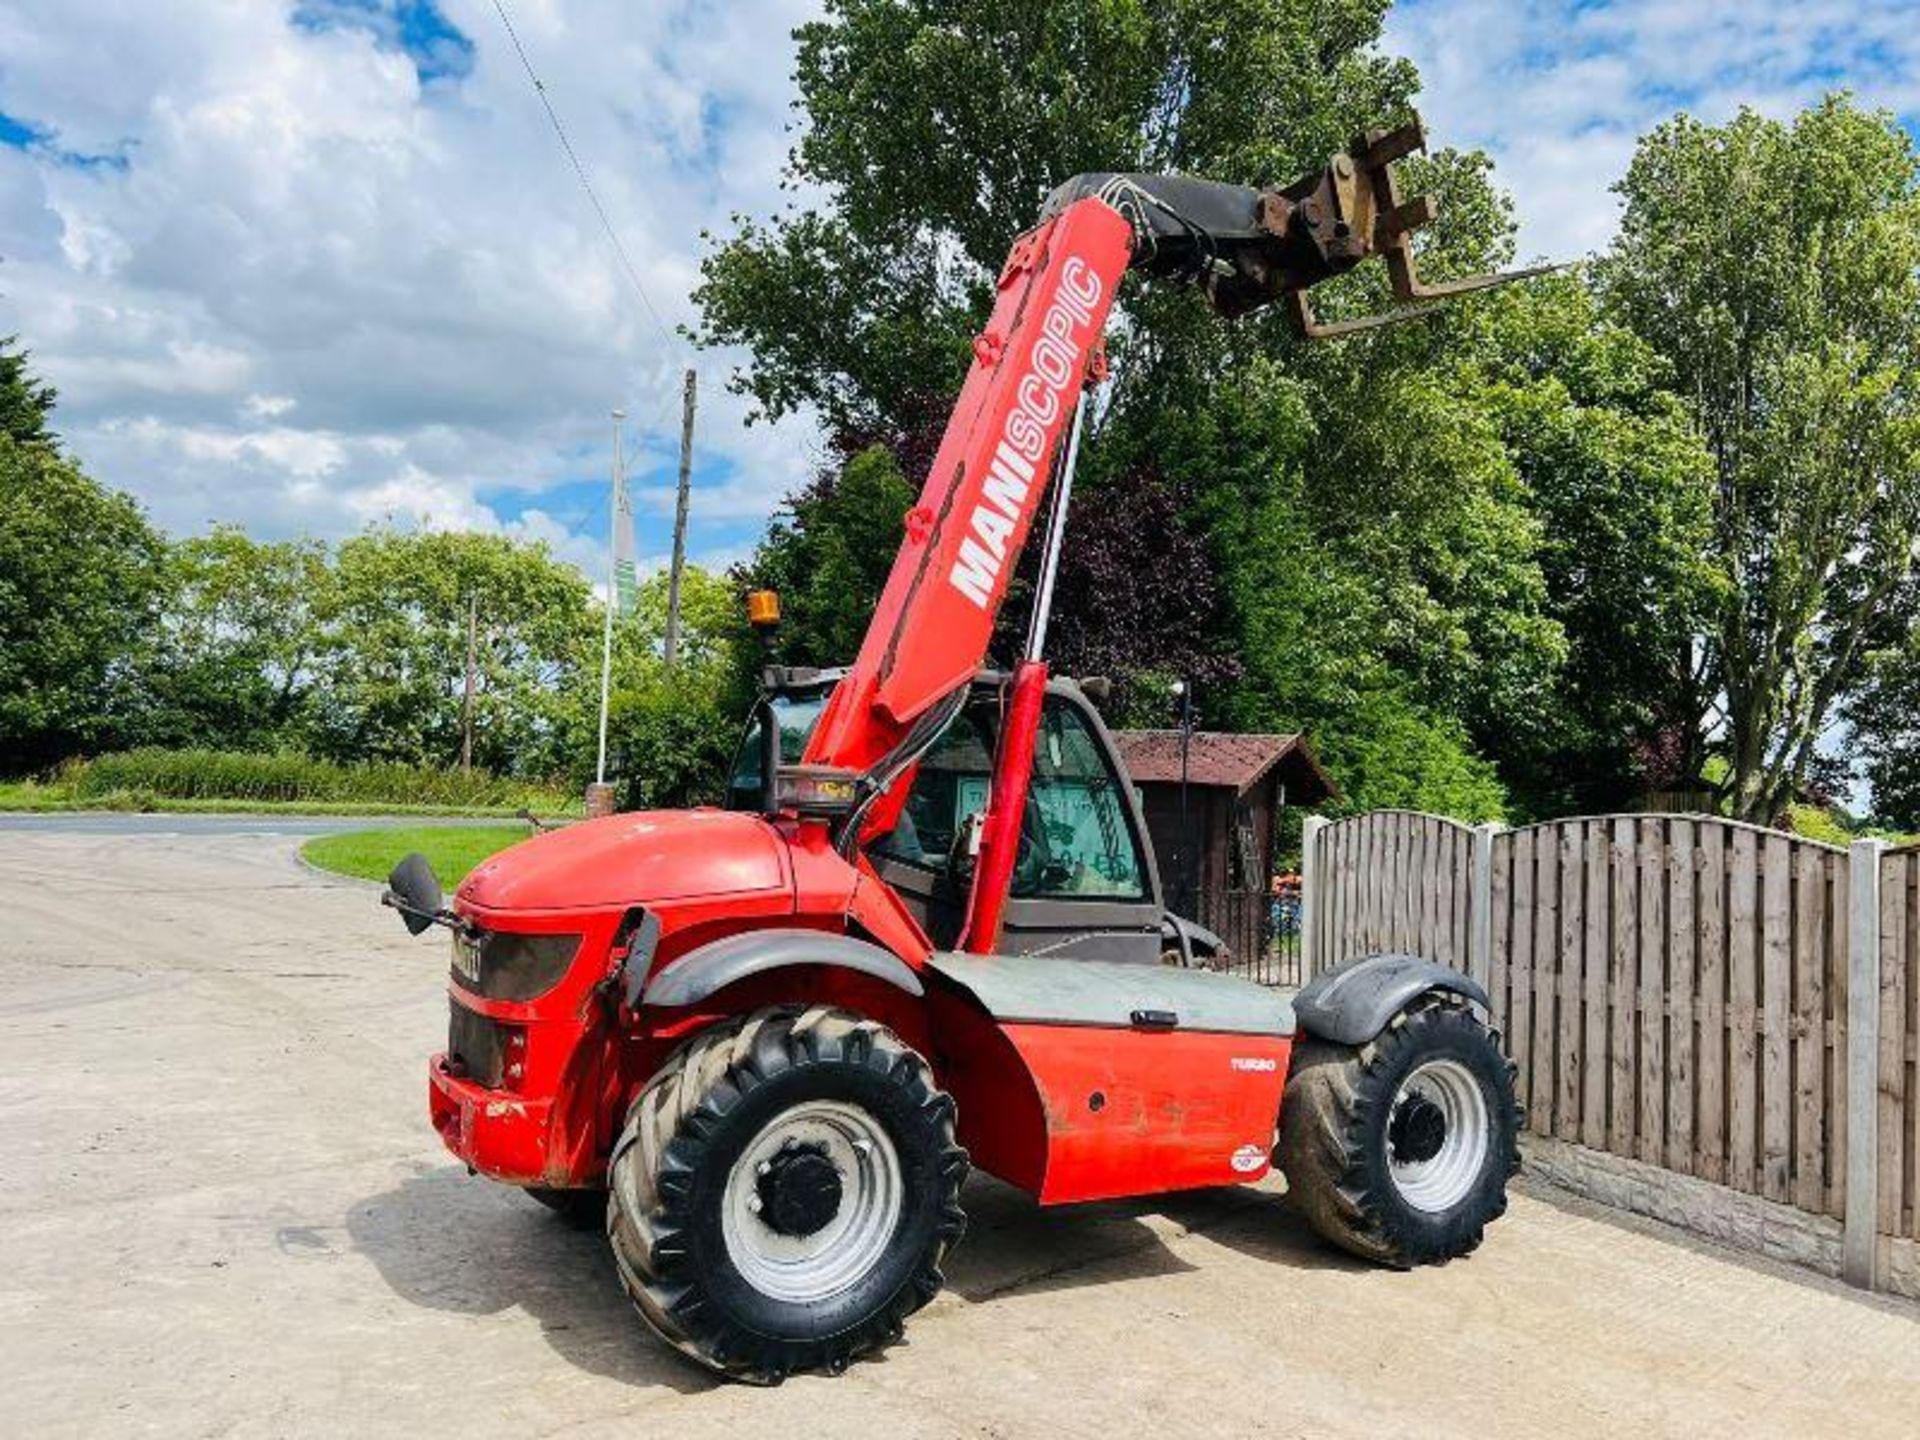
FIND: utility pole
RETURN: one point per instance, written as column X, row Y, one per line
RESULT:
column 466, row 699
column 680, row 523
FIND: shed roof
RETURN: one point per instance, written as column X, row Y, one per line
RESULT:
column 1226, row 762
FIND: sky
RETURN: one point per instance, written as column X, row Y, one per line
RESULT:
column 308, row 265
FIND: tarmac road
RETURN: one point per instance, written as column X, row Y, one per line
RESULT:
column 225, row 1214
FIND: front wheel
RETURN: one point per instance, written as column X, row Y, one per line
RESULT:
column 1400, row 1150
column 784, row 1192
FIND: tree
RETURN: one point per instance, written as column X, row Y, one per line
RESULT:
column 1622, row 489
column 671, row 730
column 1885, row 721
column 232, row 662
column 937, row 128
column 935, row 132
column 1106, row 621
column 25, row 400
column 829, row 556
column 393, row 661
column 80, row 571
column 1776, row 269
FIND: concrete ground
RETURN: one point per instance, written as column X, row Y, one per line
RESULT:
column 225, row 1214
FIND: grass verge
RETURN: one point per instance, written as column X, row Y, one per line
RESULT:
column 219, row 781
column 452, row 850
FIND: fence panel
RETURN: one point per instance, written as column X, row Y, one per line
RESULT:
column 1671, row 988
column 1393, row 880
column 1899, row 1126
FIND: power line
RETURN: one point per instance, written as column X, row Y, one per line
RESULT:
column 613, row 237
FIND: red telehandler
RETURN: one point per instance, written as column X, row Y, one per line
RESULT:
column 767, row 1041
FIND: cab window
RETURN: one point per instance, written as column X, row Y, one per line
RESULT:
column 796, row 716
column 1076, row 841
column 950, row 785
column 1076, row 821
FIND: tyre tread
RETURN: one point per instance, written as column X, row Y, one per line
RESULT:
column 652, row 1164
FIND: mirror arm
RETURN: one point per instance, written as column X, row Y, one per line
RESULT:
column 433, row 917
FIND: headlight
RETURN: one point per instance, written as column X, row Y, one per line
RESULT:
column 503, row 965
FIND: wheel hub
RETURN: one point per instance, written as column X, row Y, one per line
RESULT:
column 1438, row 1135
column 799, row 1191
column 1418, row 1130
column 813, row 1201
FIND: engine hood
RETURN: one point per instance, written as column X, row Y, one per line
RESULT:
column 630, row 859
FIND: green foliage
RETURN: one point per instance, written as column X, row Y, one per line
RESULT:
column 1776, row 268
column 25, row 400
column 1885, row 720
column 393, row 661
column 829, row 556
column 1333, row 602
column 452, row 850
column 671, row 732
column 286, row 778
column 80, row 572
column 232, row 661
column 939, row 128
column 677, row 738
column 1620, row 487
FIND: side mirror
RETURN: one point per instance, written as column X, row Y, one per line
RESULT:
column 1097, row 688
column 414, row 890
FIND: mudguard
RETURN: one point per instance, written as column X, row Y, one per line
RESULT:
column 699, row 973
column 1355, row 1001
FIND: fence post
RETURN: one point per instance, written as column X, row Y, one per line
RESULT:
column 1860, row 1244
column 1311, row 880
column 1480, row 905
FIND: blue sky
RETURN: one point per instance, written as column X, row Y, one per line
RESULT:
column 305, row 265
column 1558, row 90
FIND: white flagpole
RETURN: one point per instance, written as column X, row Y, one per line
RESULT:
column 613, row 596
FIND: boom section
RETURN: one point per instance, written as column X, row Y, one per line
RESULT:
column 931, row 629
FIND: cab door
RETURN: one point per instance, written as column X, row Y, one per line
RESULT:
column 1084, row 885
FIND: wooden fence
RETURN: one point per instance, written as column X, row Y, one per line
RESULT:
column 1692, row 993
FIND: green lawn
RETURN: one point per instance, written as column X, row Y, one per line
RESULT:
column 453, row 850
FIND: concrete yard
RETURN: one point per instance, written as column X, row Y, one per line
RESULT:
column 226, row 1214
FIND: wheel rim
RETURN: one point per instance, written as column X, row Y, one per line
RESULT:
column 1437, row 1135
column 797, row 1230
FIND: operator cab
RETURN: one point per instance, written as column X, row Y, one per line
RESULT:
column 1084, row 886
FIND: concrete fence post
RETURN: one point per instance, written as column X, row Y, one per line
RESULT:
column 1312, row 881
column 1860, row 1243
column 1480, row 906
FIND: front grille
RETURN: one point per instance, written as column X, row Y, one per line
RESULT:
column 476, row 1046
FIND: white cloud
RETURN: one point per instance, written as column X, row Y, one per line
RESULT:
column 1558, row 91
column 298, row 288
column 319, row 291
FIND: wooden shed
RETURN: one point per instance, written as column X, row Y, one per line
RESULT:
column 1216, row 852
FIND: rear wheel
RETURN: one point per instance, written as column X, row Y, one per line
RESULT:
column 1400, row 1150
column 784, row 1192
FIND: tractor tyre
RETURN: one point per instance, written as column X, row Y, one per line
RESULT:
column 1400, row 1150
column 784, row 1192
column 581, row 1209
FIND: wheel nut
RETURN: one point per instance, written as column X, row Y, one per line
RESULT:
column 753, row 1203
column 765, row 1167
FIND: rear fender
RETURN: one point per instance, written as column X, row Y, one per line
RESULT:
column 712, row 967
column 1357, row 999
